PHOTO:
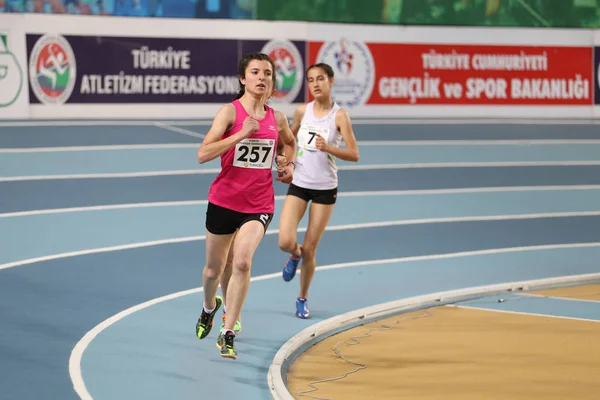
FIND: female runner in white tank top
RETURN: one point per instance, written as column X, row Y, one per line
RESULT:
column 319, row 127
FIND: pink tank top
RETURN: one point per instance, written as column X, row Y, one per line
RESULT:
column 245, row 183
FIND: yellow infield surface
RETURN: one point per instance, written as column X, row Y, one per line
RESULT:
column 456, row 353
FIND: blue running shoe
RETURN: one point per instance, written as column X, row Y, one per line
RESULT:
column 289, row 271
column 302, row 308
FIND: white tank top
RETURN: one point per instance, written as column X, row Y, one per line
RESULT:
column 316, row 169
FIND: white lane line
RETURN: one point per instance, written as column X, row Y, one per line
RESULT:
column 382, row 224
column 369, row 143
column 523, row 313
column 473, row 121
column 111, row 175
column 475, row 164
column 490, row 142
column 557, row 297
column 100, row 148
column 15, row 124
column 340, row 168
column 105, row 207
column 499, row 189
column 355, row 121
column 186, row 132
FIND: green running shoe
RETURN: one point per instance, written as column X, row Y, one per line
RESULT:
column 205, row 322
column 236, row 329
column 227, row 346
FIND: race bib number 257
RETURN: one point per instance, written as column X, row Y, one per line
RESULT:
column 254, row 153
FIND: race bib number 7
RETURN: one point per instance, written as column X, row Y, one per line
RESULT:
column 254, row 153
column 307, row 136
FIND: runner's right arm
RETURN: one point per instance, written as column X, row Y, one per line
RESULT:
column 212, row 146
column 297, row 120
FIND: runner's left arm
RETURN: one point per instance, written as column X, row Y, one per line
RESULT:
column 287, row 138
column 350, row 152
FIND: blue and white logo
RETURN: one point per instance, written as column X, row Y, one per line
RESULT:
column 354, row 69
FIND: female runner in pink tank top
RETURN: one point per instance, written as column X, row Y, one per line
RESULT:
column 241, row 200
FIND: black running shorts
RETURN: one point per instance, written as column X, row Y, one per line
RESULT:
column 223, row 221
column 328, row 196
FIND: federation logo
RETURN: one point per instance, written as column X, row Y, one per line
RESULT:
column 289, row 69
column 11, row 74
column 354, row 71
column 52, row 69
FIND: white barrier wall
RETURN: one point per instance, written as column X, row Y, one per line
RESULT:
column 117, row 67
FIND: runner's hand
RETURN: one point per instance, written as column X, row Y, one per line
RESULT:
column 287, row 175
column 250, row 126
column 281, row 163
column 321, row 144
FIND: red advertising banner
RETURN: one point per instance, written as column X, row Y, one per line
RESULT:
column 421, row 74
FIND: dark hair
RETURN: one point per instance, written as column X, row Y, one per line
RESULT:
column 243, row 64
column 325, row 67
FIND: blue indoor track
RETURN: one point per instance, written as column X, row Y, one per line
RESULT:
column 102, row 245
